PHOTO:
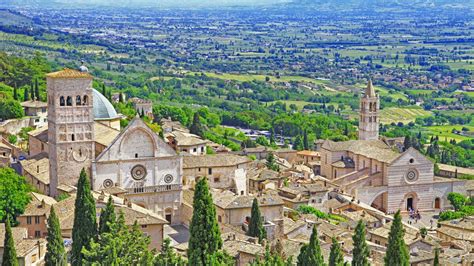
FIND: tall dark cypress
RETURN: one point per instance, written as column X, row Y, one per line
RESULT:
column 37, row 93
column 256, row 224
column 360, row 251
column 196, row 127
column 436, row 257
column 107, row 217
column 311, row 254
column 15, row 93
column 397, row 250
column 9, row 251
column 55, row 254
column 85, row 225
column 32, row 92
column 205, row 236
column 336, row 258
column 25, row 94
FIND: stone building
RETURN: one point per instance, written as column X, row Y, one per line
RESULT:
column 84, row 132
column 187, row 142
column 29, row 251
column 374, row 173
column 70, row 126
column 369, row 114
column 5, row 154
column 143, row 107
column 224, row 171
column 37, row 111
column 145, row 166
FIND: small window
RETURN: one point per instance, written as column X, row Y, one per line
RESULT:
column 144, row 226
column 85, row 100
column 217, row 180
column 202, row 149
column 28, row 220
column 194, row 150
column 209, row 171
column 37, row 219
column 61, row 101
column 69, row 101
column 37, row 234
column 136, row 155
column 73, row 138
column 168, row 187
column 78, row 100
column 412, row 160
column 199, row 169
column 219, row 219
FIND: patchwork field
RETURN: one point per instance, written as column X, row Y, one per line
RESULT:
column 445, row 132
column 404, row 115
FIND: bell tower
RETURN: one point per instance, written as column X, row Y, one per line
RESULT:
column 70, row 126
column 369, row 114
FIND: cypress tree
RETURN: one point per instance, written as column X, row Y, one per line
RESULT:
column 15, row 93
column 196, row 127
column 107, row 217
column 360, row 252
column 205, row 236
column 37, row 93
column 9, row 252
column 336, row 257
column 85, row 225
column 103, row 89
column 305, row 140
column 55, row 254
column 436, row 257
column 311, row 254
column 256, row 224
column 397, row 251
column 32, row 92
column 25, row 95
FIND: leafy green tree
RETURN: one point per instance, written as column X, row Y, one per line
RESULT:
column 10, row 109
column 360, row 252
column 298, row 144
column 397, row 251
column 205, row 236
column 196, row 127
column 457, row 200
column 271, row 162
column 336, row 258
column 311, row 254
column 121, row 246
column 55, row 254
column 167, row 256
column 107, row 217
column 256, row 224
column 13, row 194
column 9, row 252
column 271, row 259
column 85, row 226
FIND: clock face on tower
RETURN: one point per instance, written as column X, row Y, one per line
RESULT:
column 80, row 154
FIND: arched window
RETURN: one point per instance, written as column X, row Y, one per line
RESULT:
column 61, row 101
column 78, row 100
column 69, row 101
column 72, row 137
column 85, row 100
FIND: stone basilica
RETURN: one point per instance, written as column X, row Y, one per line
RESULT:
column 84, row 132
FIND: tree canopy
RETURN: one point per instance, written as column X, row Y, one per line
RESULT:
column 13, row 194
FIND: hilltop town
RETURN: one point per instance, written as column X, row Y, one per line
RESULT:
column 151, row 178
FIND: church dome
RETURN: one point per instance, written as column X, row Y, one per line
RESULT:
column 103, row 109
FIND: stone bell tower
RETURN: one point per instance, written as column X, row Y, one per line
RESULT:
column 369, row 114
column 70, row 126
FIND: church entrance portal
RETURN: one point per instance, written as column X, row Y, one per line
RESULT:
column 409, row 203
column 437, row 203
column 168, row 215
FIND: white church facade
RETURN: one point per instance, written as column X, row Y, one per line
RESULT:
column 376, row 174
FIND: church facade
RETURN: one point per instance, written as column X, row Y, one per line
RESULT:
column 83, row 133
column 374, row 173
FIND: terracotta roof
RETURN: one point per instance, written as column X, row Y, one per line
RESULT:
column 375, row 149
column 38, row 205
column 103, row 134
column 234, row 247
column 230, row 201
column 40, row 133
column 38, row 167
column 308, row 153
column 214, row 160
column 34, row 104
column 451, row 168
column 186, row 139
column 23, row 245
column 68, row 73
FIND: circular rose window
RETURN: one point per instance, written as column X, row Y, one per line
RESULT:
column 108, row 183
column 168, row 178
column 138, row 172
column 411, row 175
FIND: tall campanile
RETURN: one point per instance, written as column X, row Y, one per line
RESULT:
column 70, row 126
column 369, row 114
